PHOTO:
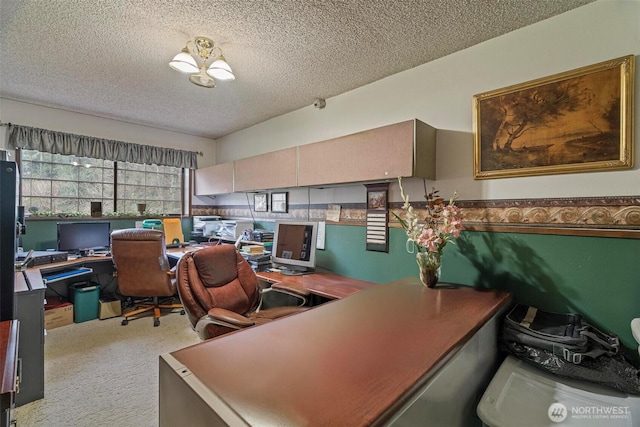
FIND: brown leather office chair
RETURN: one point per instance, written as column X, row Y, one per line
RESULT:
column 143, row 270
column 220, row 292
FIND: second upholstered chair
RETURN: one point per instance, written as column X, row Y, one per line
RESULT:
column 143, row 270
column 221, row 294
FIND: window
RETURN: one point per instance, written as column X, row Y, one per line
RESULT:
column 158, row 186
column 68, row 184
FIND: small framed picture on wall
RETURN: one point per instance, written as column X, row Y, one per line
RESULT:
column 377, row 217
column 279, row 202
column 260, row 202
column 377, row 198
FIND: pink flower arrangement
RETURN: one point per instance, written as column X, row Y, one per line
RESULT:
column 442, row 223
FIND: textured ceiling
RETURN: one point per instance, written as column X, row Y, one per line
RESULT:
column 109, row 58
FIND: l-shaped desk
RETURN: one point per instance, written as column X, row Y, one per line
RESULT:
column 397, row 353
column 321, row 283
column 324, row 284
column 388, row 354
column 31, row 290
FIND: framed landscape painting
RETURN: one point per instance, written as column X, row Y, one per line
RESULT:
column 577, row 121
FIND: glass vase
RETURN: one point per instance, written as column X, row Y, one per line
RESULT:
column 429, row 264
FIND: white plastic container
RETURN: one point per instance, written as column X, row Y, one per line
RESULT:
column 522, row 395
column 233, row 229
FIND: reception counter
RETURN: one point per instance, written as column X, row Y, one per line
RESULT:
column 377, row 357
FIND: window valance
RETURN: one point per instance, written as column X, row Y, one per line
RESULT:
column 49, row 141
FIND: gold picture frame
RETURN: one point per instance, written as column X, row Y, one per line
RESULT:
column 576, row 121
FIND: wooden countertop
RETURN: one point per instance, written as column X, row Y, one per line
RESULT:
column 326, row 284
column 323, row 283
column 72, row 262
column 351, row 362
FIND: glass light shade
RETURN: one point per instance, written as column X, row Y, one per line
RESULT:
column 219, row 69
column 184, row 62
column 202, row 79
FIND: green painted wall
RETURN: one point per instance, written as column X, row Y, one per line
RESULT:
column 595, row 276
column 42, row 233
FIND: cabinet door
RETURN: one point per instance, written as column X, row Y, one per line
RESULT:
column 377, row 154
column 217, row 179
column 266, row 171
column 30, row 313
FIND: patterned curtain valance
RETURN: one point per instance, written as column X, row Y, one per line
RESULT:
column 50, row 141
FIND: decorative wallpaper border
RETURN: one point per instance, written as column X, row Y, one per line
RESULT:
column 556, row 216
column 594, row 212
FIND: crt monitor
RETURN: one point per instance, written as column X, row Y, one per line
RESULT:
column 294, row 246
column 81, row 237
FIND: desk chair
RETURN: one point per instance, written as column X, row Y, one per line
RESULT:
column 173, row 231
column 142, row 267
column 221, row 294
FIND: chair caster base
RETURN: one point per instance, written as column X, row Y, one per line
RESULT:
column 125, row 322
column 156, row 322
column 182, row 312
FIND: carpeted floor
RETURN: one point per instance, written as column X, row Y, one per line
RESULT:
column 99, row 373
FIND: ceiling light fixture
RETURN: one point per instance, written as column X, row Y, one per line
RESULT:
column 204, row 61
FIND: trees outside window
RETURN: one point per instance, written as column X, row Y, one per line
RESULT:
column 59, row 184
column 157, row 186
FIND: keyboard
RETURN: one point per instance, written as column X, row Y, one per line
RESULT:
column 65, row 274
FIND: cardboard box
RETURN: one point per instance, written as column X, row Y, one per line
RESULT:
column 110, row 308
column 60, row 315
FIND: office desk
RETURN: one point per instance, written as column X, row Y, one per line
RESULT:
column 321, row 283
column 368, row 359
column 30, row 291
column 324, row 284
column 95, row 260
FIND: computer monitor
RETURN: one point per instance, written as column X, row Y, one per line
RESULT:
column 294, row 246
column 80, row 237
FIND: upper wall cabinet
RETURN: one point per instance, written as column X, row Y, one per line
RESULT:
column 216, row 179
column 266, row 171
column 403, row 149
column 406, row 149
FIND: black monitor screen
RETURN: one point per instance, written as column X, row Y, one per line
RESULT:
column 81, row 236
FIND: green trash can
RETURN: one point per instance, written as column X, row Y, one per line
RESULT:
column 85, row 297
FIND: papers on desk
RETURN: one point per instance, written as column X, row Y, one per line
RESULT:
column 258, row 262
column 252, row 249
column 333, row 213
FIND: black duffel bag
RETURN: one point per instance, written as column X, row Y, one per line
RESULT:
column 565, row 335
column 563, row 343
